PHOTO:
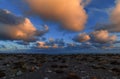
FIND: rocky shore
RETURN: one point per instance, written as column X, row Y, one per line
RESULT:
column 82, row 66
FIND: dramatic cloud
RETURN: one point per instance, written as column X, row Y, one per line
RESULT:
column 50, row 43
column 115, row 17
column 83, row 37
column 41, row 44
column 114, row 26
column 69, row 13
column 102, row 36
column 55, row 43
column 45, row 45
column 14, row 27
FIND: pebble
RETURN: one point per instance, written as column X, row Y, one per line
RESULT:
column 49, row 71
column 93, row 78
column 73, row 76
column 46, row 78
column 4, row 77
column 115, row 77
column 7, row 65
column 2, row 74
column 36, row 67
column 19, row 73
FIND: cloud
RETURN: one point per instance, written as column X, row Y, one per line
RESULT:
column 5, row 45
column 105, row 10
column 14, row 27
column 69, row 13
column 83, row 37
column 60, row 42
column 117, row 1
column 102, row 36
column 86, row 2
column 55, row 43
column 41, row 44
column 114, row 25
column 115, row 15
column 50, row 43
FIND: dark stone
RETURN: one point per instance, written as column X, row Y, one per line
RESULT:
column 64, row 66
column 2, row 74
column 72, row 76
column 59, row 71
column 54, row 66
column 115, row 63
column 116, row 71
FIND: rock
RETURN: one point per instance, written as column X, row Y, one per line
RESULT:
column 40, row 65
column 37, row 68
column 46, row 78
column 8, row 65
column 93, row 78
column 63, row 61
column 54, row 66
column 2, row 74
column 115, row 77
column 4, row 77
column 18, row 65
column 72, row 76
column 59, row 71
column 19, row 73
column 13, row 75
column 116, row 71
column 115, row 63
column 49, row 71
column 98, row 67
column 64, row 66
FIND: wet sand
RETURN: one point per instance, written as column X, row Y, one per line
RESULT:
column 36, row 66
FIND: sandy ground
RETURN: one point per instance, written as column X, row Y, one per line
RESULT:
column 23, row 66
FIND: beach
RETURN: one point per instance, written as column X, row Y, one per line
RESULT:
column 39, row 66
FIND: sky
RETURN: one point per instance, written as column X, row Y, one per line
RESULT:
column 92, row 12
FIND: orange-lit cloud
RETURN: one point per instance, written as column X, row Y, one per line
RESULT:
column 69, row 13
column 102, row 36
column 14, row 27
column 83, row 37
column 40, row 44
column 115, row 15
column 114, row 26
column 44, row 45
